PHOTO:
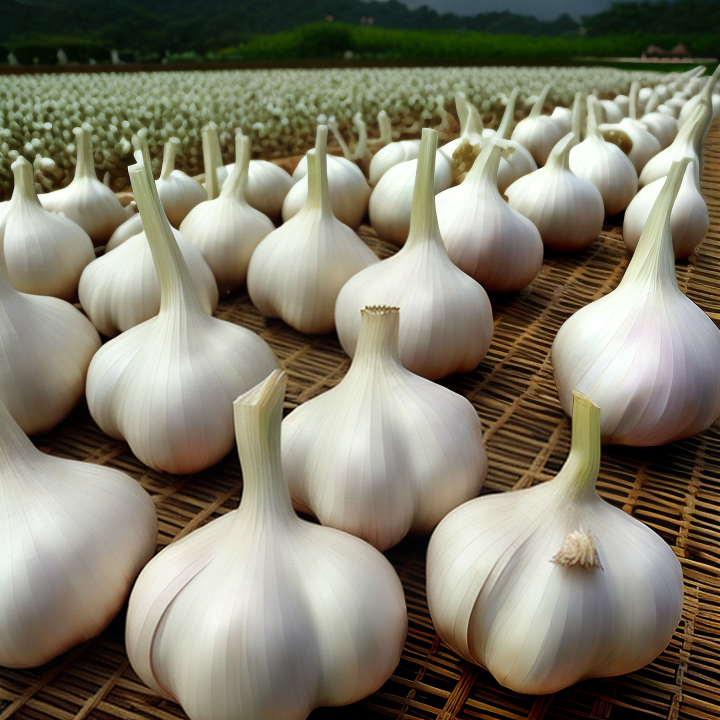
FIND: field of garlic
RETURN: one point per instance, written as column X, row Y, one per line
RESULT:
column 486, row 255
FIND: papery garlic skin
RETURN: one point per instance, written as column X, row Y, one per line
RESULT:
column 538, row 133
column 166, row 386
column 227, row 230
column 471, row 129
column 260, row 614
column 178, row 193
column 44, row 253
column 567, row 210
column 390, row 156
column 550, row 585
column 689, row 219
column 484, row 236
column 645, row 352
column 74, row 537
column 409, row 452
column 446, row 318
column 86, row 201
column 132, row 226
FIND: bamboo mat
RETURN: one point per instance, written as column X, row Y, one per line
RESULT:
column 674, row 489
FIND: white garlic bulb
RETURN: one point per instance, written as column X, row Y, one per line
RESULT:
column 689, row 219
column 662, row 126
column 74, row 537
column 44, row 253
column 550, row 585
column 227, row 230
column 86, row 201
column 392, row 199
column 390, row 156
column 349, row 191
column 166, row 385
column 446, row 319
column 483, row 235
column 645, row 353
column 623, row 103
column 132, row 226
column 567, row 210
column 416, row 446
column 178, row 193
column 260, row 614
column 605, row 165
column 538, row 133
column 611, row 111
column 297, row 271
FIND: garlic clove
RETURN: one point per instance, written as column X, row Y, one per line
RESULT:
column 538, row 133
column 409, row 451
column 446, row 324
column 550, row 585
column 484, row 236
column 178, row 193
column 645, row 353
column 44, row 253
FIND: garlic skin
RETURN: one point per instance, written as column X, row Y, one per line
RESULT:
column 166, row 386
column 392, row 199
column 44, row 253
column 349, row 191
column 132, row 226
column 390, row 156
column 550, row 585
column 538, row 133
column 567, row 210
column 645, row 353
column 689, row 219
column 297, row 271
column 484, row 236
column 86, row 201
column 605, row 165
column 75, row 536
column 260, row 614
column 446, row 324
column 227, row 230
column 416, row 446
column 178, row 193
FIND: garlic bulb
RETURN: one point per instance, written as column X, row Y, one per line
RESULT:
column 550, row 585
column 567, row 210
column 538, row 133
column 645, row 353
column 166, row 385
column 605, row 165
column 689, row 219
column 483, row 235
column 611, row 111
column 662, row 126
column 44, row 253
column 86, row 201
column 446, row 324
column 227, row 230
column 623, row 103
column 297, row 271
column 416, row 446
column 392, row 199
column 132, row 226
column 260, row 614
column 471, row 129
column 349, row 191
column 74, row 537
column 178, row 193
column 390, row 156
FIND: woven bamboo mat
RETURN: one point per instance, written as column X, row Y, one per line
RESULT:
column 674, row 489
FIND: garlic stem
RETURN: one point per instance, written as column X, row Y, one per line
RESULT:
column 508, row 117
column 24, row 183
column 560, row 156
column 169, row 153
column 592, row 122
column 332, row 124
column 385, row 127
column 634, row 90
column 361, row 146
column 654, row 258
column 423, row 215
column 461, row 105
column 258, row 416
column 236, row 185
column 318, row 197
column 576, row 123
column 486, row 164
column 378, row 340
column 209, row 142
column 537, row 108
column 85, row 161
column 653, row 103
column 474, row 124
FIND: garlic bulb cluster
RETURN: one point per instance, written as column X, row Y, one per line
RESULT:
column 483, row 235
column 446, row 319
column 550, row 585
column 227, row 230
column 391, row 155
column 86, row 201
column 348, row 190
column 297, row 271
column 605, row 165
column 44, row 253
column 538, row 133
column 166, row 385
column 416, row 446
column 260, row 614
column 178, row 193
column 74, row 537
column 645, row 353
column 567, row 210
